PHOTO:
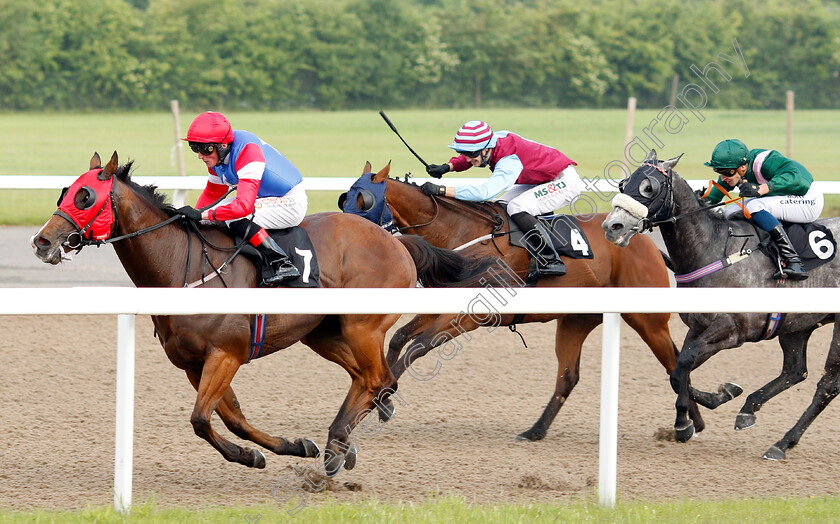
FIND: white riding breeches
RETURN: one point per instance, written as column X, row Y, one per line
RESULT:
column 279, row 212
column 544, row 198
column 789, row 208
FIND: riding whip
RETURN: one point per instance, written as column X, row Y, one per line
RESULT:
column 394, row 129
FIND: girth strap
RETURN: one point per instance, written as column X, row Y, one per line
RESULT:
column 774, row 320
column 711, row 268
column 257, row 336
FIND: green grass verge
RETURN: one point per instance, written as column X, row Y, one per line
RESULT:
column 339, row 143
column 454, row 509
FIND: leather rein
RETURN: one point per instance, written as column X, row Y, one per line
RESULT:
column 190, row 226
column 482, row 212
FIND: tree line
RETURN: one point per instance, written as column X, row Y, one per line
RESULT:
column 354, row 54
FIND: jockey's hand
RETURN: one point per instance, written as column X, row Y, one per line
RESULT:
column 433, row 189
column 189, row 212
column 437, row 170
column 748, row 189
column 700, row 192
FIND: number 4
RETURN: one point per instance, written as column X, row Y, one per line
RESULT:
column 578, row 243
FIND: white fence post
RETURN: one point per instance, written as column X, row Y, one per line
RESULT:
column 124, row 446
column 179, row 197
column 608, row 440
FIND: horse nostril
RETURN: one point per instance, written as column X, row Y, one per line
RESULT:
column 616, row 227
column 42, row 242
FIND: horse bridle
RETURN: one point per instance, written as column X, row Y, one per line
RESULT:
column 84, row 242
column 648, row 223
column 80, row 231
column 665, row 210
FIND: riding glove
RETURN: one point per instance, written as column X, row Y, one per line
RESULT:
column 437, row 170
column 748, row 189
column 433, row 189
column 189, row 212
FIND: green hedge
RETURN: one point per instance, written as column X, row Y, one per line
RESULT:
column 346, row 54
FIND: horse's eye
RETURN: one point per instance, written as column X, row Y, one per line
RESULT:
column 365, row 200
column 646, row 188
column 85, row 198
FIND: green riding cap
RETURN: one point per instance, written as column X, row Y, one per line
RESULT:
column 729, row 153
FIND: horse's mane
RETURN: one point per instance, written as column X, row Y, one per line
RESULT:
column 710, row 212
column 485, row 206
column 149, row 193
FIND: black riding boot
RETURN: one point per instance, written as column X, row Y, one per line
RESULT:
column 277, row 268
column 549, row 263
column 792, row 263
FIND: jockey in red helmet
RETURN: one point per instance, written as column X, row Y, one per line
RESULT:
column 268, row 186
column 533, row 178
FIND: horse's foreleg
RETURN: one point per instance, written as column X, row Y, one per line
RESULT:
column 654, row 330
column 437, row 331
column 571, row 331
column 231, row 414
column 696, row 349
column 359, row 350
column 827, row 388
column 794, row 371
column 211, row 383
column 415, row 326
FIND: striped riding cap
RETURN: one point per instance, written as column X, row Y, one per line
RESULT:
column 475, row 135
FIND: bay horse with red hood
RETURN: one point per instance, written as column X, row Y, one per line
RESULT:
column 157, row 249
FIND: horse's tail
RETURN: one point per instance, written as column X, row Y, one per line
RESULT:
column 437, row 267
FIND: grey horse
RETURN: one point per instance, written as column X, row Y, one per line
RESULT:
column 696, row 238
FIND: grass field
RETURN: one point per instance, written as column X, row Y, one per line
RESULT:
column 454, row 509
column 339, row 143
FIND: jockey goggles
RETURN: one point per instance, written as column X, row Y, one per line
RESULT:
column 726, row 171
column 203, row 148
column 470, row 154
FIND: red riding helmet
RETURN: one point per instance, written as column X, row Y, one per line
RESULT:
column 210, row 128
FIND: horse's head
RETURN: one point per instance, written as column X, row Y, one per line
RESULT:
column 85, row 213
column 366, row 197
column 645, row 196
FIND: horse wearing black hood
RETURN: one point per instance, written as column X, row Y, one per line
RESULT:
column 723, row 253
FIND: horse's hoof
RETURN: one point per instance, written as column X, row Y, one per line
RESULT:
column 774, row 453
column 744, row 421
column 310, row 448
column 386, row 410
column 530, row 436
column 257, row 459
column 731, row 389
column 684, row 434
column 333, row 464
column 350, row 458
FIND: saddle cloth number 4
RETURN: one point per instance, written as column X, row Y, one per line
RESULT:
column 578, row 243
